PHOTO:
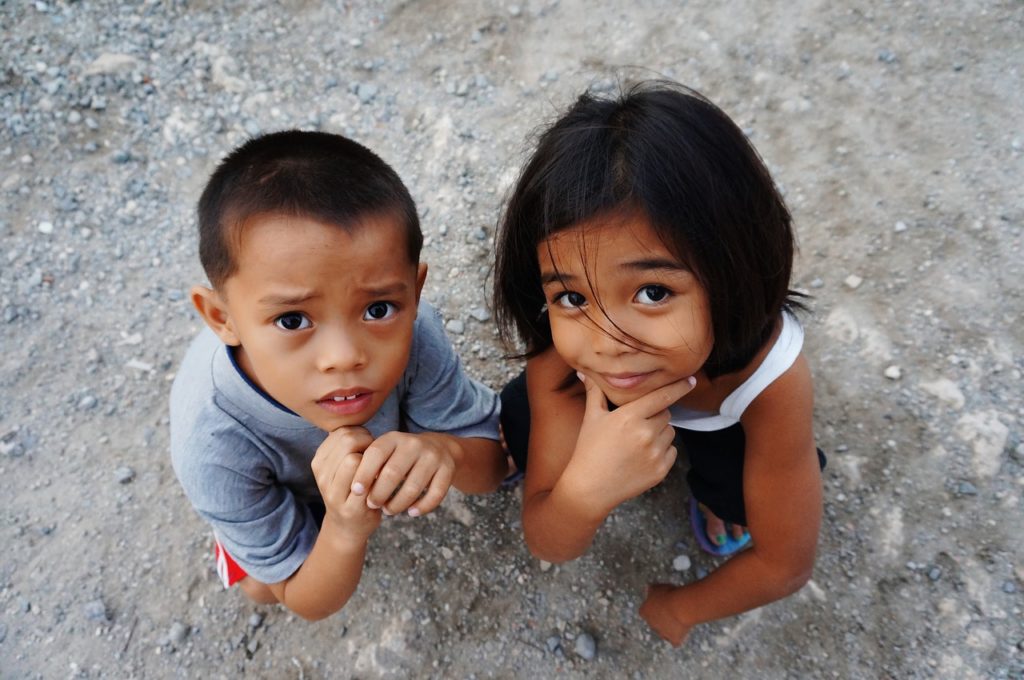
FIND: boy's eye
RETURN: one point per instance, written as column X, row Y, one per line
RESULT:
column 292, row 321
column 650, row 295
column 570, row 299
column 378, row 311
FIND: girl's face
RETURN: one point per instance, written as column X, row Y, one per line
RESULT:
column 624, row 310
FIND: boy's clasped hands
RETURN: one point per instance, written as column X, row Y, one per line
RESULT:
column 361, row 477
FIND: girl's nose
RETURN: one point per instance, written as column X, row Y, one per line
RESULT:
column 606, row 339
column 340, row 351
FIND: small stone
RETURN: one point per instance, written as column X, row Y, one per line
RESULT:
column 45, row 227
column 545, row 565
column 124, row 474
column 1009, row 587
column 480, row 314
column 886, row 56
column 966, row 489
column 97, row 611
column 515, row 10
column 586, row 647
column 480, row 234
column 252, row 646
column 121, row 157
column 893, row 372
column 934, row 573
column 255, row 620
column 681, row 563
column 901, row 226
column 853, row 281
column 366, row 92
column 553, row 643
column 177, row 634
column 74, row 118
column 3, row 632
column 87, row 402
column 455, row 326
column 447, row 553
column 817, row 283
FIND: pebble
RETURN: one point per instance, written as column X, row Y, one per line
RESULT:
column 681, row 563
column 97, row 611
column 255, row 620
column 893, row 372
column 586, row 647
column 901, row 226
column 87, row 402
column 3, row 632
column 177, row 634
column 45, row 227
column 124, row 474
column 545, row 565
column 966, row 489
column 1009, row 587
column 455, row 326
column 480, row 314
column 853, row 281
column 817, row 283
column 366, row 92
column 887, row 56
column 934, row 573
column 553, row 643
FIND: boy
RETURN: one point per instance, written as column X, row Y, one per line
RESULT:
column 318, row 344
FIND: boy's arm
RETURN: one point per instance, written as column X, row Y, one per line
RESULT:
column 782, row 491
column 331, row 571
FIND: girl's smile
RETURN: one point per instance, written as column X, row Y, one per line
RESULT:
column 624, row 309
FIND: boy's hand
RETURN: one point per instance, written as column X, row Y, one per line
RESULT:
column 404, row 471
column 620, row 454
column 657, row 612
column 334, row 467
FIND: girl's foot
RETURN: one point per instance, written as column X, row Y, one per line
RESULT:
column 717, row 530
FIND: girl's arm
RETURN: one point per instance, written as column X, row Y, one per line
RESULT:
column 782, row 493
column 557, row 526
column 585, row 460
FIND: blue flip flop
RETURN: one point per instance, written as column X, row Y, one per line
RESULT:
column 699, row 523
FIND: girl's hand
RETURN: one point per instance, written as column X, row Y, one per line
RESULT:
column 620, row 454
column 657, row 612
column 402, row 471
column 334, row 467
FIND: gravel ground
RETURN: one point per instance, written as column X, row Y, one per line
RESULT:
column 896, row 132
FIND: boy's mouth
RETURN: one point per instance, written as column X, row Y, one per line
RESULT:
column 346, row 402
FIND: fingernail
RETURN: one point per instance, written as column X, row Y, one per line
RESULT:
column 580, row 376
column 370, row 504
column 692, row 380
column 414, row 512
column 358, row 489
column 720, row 539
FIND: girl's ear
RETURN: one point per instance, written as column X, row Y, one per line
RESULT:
column 211, row 306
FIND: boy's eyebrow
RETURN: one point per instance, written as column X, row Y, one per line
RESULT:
column 397, row 288
column 286, row 300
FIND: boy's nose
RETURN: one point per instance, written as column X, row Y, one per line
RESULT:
column 340, row 351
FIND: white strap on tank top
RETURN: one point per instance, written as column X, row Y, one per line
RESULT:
column 781, row 356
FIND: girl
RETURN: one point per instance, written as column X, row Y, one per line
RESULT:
column 644, row 261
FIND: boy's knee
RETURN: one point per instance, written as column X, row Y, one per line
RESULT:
column 260, row 593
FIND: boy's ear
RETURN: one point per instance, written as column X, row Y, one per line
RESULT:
column 421, row 277
column 210, row 305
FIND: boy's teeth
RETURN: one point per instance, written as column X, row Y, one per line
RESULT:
column 348, row 398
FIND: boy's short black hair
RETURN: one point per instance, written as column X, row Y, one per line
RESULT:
column 315, row 175
column 670, row 155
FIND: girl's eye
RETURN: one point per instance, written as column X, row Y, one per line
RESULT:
column 652, row 295
column 292, row 321
column 378, row 311
column 570, row 300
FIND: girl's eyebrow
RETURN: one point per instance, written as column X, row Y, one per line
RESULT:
column 655, row 263
column 555, row 277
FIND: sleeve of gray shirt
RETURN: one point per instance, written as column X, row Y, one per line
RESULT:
column 439, row 396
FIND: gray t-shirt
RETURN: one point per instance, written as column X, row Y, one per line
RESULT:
column 244, row 460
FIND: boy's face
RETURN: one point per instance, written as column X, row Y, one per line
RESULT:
column 322, row 317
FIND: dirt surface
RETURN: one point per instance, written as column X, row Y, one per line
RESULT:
column 896, row 131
